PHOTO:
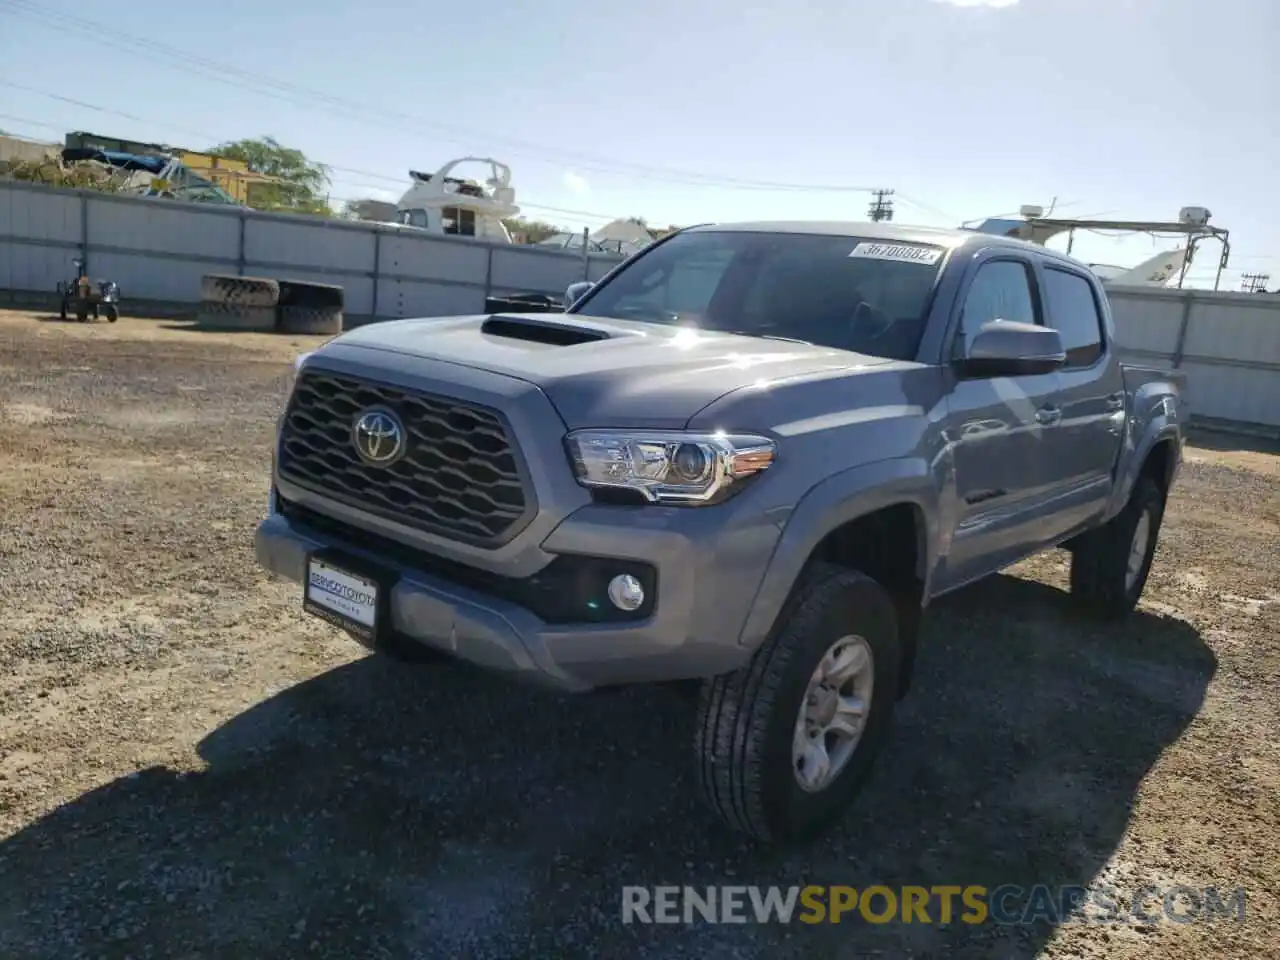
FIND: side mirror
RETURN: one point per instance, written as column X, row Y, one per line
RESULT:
column 576, row 291
column 1007, row 349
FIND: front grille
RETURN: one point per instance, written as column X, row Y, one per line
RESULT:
column 458, row 476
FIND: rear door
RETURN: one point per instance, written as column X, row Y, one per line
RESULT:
column 1001, row 433
column 1091, row 397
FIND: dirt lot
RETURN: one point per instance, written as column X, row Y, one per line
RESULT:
column 191, row 767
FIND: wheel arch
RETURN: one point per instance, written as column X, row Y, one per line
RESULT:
column 880, row 519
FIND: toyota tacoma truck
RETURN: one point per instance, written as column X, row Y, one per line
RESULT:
column 749, row 457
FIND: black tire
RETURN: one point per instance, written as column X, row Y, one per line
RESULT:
column 82, row 313
column 311, row 320
column 1100, row 558
column 112, row 312
column 62, row 310
column 746, row 719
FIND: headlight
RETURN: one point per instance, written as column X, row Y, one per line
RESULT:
column 668, row 467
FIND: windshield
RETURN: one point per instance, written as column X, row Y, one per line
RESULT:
column 868, row 296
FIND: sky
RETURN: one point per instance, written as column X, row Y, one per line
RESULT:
column 705, row 110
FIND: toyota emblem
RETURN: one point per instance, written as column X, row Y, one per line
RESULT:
column 379, row 436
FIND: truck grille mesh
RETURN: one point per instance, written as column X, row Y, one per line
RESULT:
column 458, row 476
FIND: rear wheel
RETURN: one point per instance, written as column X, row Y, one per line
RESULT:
column 785, row 744
column 1110, row 565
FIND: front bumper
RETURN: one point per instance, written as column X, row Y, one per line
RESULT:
column 709, row 564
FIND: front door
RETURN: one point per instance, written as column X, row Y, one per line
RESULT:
column 1001, row 433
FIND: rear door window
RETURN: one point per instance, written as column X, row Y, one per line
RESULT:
column 1073, row 312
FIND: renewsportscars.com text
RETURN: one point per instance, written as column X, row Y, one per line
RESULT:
column 1007, row 905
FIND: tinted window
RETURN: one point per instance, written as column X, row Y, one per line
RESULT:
column 792, row 286
column 1001, row 290
column 658, row 286
column 1073, row 312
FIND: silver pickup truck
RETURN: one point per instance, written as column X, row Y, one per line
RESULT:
column 749, row 456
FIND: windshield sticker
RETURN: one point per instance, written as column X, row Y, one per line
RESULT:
column 901, row 252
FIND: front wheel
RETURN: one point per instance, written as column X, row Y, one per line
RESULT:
column 112, row 312
column 785, row 744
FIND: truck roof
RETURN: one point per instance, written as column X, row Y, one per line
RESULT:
column 890, row 232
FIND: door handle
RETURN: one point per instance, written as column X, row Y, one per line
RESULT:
column 1115, row 401
column 1048, row 415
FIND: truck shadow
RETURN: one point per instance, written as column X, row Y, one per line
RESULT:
column 380, row 810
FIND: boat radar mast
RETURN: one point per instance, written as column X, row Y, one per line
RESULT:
column 1192, row 223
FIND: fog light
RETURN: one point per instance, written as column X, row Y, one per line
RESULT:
column 626, row 592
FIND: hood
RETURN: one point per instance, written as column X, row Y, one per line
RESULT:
column 600, row 372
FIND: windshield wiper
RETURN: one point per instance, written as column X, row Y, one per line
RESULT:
column 770, row 336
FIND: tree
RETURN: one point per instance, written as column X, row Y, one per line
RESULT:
column 530, row 231
column 300, row 185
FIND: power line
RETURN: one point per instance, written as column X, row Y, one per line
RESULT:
column 920, row 205
column 1254, row 282
column 308, row 97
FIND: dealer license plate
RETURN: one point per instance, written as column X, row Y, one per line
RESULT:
column 345, row 599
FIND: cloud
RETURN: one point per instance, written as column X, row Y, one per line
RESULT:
column 994, row 4
column 576, row 183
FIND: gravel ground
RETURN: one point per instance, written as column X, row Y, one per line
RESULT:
column 191, row 767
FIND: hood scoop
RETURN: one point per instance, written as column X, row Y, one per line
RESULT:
column 541, row 331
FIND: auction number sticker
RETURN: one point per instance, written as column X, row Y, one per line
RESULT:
column 900, row 252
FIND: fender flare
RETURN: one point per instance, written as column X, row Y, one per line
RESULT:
column 830, row 504
column 1158, row 429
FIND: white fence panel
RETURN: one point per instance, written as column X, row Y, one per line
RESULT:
column 597, row 267
column 424, row 257
column 1243, row 327
column 1145, row 322
column 289, row 241
column 45, row 215
column 138, row 277
column 37, row 268
column 535, row 270
column 415, row 298
column 156, row 226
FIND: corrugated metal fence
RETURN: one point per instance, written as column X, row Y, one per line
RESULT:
column 157, row 250
column 1228, row 344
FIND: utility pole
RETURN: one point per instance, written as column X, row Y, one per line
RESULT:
column 881, row 206
column 1254, row 282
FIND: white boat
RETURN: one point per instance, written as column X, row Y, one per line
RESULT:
column 1155, row 272
column 444, row 204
